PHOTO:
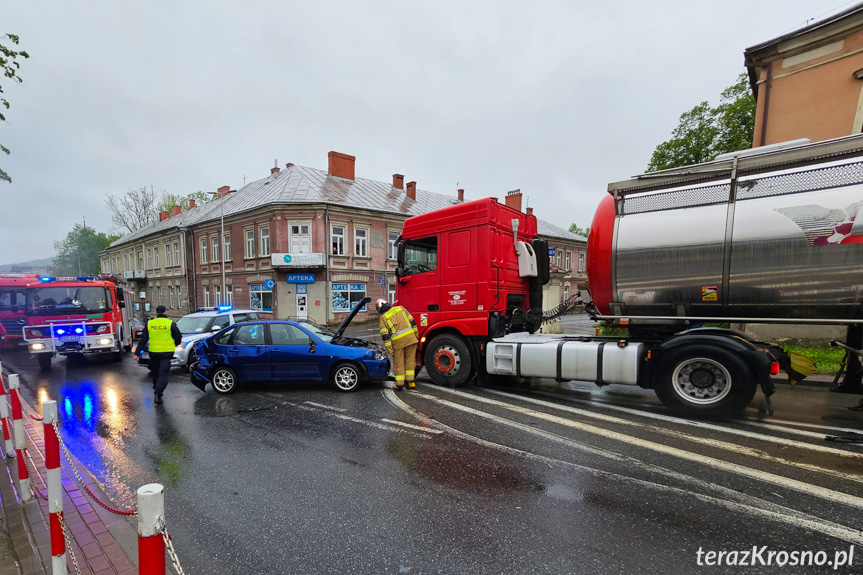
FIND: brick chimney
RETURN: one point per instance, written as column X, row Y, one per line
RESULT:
column 529, row 211
column 288, row 165
column 412, row 190
column 223, row 191
column 274, row 170
column 341, row 165
column 513, row 199
column 175, row 211
column 191, row 204
column 163, row 216
column 398, row 181
column 461, row 195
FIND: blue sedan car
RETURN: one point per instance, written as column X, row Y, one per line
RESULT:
column 287, row 350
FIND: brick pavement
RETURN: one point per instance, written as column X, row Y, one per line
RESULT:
column 103, row 543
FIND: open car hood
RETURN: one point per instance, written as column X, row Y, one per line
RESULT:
column 351, row 316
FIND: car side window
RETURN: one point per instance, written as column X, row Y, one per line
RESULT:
column 221, row 321
column 241, row 317
column 286, row 334
column 225, row 338
column 250, row 334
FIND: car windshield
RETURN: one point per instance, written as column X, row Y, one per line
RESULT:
column 193, row 324
column 325, row 334
column 56, row 300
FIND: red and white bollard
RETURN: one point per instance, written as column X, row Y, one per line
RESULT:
column 151, row 515
column 18, row 425
column 55, row 487
column 8, row 449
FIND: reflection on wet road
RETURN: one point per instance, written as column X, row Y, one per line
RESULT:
column 304, row 479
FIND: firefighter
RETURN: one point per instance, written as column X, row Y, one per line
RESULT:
column 163, row 336
column 399, row 332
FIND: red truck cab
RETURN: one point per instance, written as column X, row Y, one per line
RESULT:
column 461, row 275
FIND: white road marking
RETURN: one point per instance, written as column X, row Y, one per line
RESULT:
column 357, row 420
column 411, row 426
column 780, row 425
column 787, row 483
column 740, row 503
column 330, row 407
column 699, row 424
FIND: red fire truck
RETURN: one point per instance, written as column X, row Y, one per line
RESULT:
column 78, row 316
column 12, row 306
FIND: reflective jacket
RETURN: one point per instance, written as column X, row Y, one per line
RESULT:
column 161, row 338
column 398, row 328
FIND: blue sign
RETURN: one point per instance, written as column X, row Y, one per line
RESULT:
column 551, row 252
column 300, row 278
column 302, row 288
column 287, row 258
column 269, row 284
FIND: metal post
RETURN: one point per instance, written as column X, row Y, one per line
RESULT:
column 222, row 251
column 151, row 545
column 18, row 425
column 55, row 487
column 8, row 449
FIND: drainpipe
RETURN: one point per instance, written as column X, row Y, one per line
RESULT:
column 327, row 264
column 194, row 288
column 766, row 103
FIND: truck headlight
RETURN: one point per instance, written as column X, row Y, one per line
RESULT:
column 104, row 341
column 37, row 346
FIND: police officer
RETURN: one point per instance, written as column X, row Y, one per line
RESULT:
column 163, row 336
column 399, row 332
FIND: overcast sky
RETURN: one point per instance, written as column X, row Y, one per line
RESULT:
column 554, row 98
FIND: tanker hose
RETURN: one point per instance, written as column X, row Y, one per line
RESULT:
column 537, row 318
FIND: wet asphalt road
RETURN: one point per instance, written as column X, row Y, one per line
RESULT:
column 477, row 480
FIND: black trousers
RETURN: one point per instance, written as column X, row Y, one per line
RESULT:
column 160, row 365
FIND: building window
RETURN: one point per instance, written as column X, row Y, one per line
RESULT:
column 125, row 262
column 206, row 296
column 338, row 240
column 301, row 239
column 559, row 261
column 217, row 290
column 203, row 250
column 226, row 256
column 568, row 265
column 361, row 243
column 581, row 262
column 179, row 297
column 391, row 294
column 156, row 257
column 229, row 295
column 346, row 296
column 565, row 292
column 214, row 241
column 149, row 259
column 177, row 255
column 265, row 241
column 140, row 260
column 394, row 249
column 169, row 259
column 250, row 244
column 171, row 296
column 260, row 299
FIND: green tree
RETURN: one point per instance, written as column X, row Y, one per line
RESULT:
column 78, row 253
column 705, row 132
column 168, row 201
column 576, row 229
column 10, row 67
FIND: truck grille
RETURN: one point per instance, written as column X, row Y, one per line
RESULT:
column 11, row 326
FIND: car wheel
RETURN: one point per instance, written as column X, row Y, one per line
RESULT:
column 703, row 382
column 224, row 380
column 347, row 377
column 448, row 361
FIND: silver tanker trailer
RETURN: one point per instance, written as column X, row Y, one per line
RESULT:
column 767, row 235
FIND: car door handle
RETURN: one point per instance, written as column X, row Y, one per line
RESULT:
column 232, row 352
column 432, row 307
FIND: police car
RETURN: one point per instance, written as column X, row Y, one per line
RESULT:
column 203, row 323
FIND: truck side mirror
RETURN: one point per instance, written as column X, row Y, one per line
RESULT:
column 400, row 271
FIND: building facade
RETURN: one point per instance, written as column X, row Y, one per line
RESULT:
column 809, row 83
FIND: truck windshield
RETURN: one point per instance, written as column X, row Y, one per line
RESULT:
column 57, row 300
column 420, row 256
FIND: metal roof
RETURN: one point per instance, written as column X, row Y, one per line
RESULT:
column 301, row 185
column 545, row 228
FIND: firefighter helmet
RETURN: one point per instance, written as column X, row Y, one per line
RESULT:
column 382, row 305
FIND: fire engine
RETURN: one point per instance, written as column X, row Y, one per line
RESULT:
column 12, row 287
column 761, row 236
column 78, row 316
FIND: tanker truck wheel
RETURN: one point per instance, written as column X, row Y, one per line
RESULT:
column 447, row 360
column 703, row 382
column 44, row 360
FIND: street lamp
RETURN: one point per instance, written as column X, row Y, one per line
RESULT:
column 221, row 199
